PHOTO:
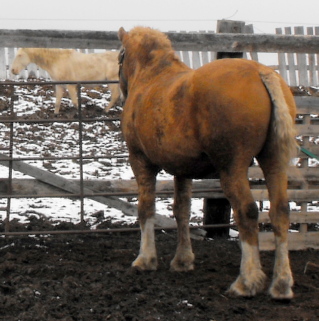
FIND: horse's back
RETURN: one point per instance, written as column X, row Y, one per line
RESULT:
column 240, row 79
column 231, row 80
column 230, row 97
column 87, row 67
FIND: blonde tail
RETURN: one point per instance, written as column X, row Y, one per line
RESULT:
column 283, row 122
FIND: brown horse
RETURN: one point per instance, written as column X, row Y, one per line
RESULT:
column 213, row 120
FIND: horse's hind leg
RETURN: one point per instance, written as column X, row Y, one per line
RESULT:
column 145, row 175
column 184, row 257
column 276, row 180
column 236, row 187
column 73, row 94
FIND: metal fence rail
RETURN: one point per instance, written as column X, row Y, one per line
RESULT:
column 11, row 119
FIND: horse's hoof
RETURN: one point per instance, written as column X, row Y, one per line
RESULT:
column 178, row 265
column 145, row 264
column 248, row 287
column 281, row 289
column 182, row 267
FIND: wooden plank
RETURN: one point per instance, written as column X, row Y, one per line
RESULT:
column 295, row 217
column 291, row 63
column 208, row 188
column 185, row 58
column 307, row 105
column 229, row 26
column 3, row 64
column 204, row 54
column 282, row 67
column 237, row 42
column 231, row 42
column 307, row 130
column 317, row 54
column 74, row 187
column 296, row 241
column 302, row 62
column 309, row 173
column 29, row 187
column 250, row 29
column 11, row 55
column 313, row 79
column 196, row 60
column 205, row 58
column 179, row 54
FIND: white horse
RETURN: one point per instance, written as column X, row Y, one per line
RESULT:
column 71, row 65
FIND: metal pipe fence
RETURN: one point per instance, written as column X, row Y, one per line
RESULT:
column 11, row 119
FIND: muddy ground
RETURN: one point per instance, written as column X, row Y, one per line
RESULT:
column 88, row 277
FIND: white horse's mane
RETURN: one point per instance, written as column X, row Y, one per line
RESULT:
column 47, row 56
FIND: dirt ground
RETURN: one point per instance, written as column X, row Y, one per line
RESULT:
column 88, row 277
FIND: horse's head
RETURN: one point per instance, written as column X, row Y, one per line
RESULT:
column 126, row 62
column 122, row 78
column 140, row 48
column 20, row 61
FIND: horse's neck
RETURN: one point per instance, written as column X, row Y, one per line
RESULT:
column 43, row 58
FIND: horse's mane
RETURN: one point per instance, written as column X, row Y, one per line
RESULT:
column 151, row 37
column 45, row 56
column 145, row 42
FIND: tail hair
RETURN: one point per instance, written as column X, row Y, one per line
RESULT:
column 283, row 123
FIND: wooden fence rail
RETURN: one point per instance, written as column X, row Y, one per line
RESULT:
column 189, row 41
column 297, row 53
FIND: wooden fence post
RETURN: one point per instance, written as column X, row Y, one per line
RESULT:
column 3, row 71
column 229, row 26
column 217, row 211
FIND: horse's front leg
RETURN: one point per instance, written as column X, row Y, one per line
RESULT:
column 115, row 94
column 184, row 257
column 58, row 96
column 146, row 180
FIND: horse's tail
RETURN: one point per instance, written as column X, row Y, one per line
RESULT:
column 283, row 126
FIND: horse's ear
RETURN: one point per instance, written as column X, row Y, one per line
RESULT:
column 121, row 33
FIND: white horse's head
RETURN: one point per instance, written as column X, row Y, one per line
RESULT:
column 20, row 61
